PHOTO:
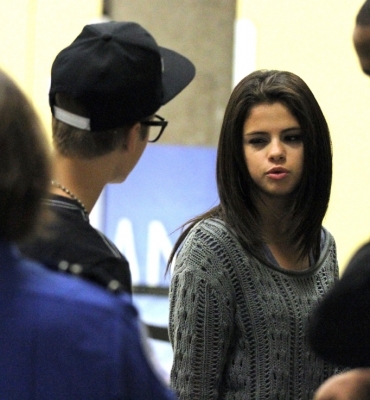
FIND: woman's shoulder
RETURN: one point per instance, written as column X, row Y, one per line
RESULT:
column 203, row 232
column 209, row 232
column 212, row 226
column 327, row 242
column 326, row 236
column 209, row 243
column 206, row 257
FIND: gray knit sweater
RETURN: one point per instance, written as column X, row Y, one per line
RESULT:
column 237, row 325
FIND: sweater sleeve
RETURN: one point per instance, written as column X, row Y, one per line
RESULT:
column 201, row 318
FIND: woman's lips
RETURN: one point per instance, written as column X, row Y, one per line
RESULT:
column 277, row 173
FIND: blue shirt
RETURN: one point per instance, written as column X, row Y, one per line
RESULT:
column 64, row 338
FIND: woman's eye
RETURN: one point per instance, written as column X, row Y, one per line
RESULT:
column 256, row 141
column 293, row 138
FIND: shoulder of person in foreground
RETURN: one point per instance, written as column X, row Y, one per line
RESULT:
column 78, row 330
column 340, row 325
column 69, row 239
column 354, row 384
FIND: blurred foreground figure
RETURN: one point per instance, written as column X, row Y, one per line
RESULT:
column 352, row 385
column 339, row 331
column 60, row 337
column 106, row 89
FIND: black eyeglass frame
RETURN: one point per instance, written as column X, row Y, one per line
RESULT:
column 162, row 123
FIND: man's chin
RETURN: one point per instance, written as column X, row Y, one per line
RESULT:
column 118, row 180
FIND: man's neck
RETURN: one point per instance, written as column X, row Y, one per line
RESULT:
column 84, row 179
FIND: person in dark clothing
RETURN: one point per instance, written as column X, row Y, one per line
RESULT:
column 340, row 325
column 106, row 88
column 339, row 331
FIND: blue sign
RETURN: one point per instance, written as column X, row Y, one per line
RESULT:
column 143, row 216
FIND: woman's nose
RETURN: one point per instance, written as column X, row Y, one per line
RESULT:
column 276, row 150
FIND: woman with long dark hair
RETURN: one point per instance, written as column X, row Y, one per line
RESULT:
column 248, row 272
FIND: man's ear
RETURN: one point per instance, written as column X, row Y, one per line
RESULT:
column 130, row 140
column 361, row 41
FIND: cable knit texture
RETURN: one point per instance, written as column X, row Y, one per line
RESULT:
column 238, row 326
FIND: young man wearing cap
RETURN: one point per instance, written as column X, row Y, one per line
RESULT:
column 106, row 88
column 61, row 338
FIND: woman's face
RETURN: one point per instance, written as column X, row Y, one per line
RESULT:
column 273, row 149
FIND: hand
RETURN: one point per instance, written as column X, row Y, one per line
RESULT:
column 351, row 385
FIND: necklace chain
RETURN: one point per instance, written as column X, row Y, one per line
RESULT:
column 70, row 194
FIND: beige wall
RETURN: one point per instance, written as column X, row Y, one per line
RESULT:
column 203, row 31
column 313, row 38
column 32, row 33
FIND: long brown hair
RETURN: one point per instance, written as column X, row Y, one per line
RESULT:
column 24, row 163
column 235, row 187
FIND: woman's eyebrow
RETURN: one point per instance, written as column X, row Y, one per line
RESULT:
column 295, row 128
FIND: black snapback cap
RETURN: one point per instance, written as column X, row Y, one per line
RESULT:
column 118, row 73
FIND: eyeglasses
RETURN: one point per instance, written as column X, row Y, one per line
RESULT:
column 157, row 126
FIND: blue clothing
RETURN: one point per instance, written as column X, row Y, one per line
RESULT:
column 64, row 338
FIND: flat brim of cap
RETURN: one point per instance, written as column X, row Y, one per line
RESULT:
column 178, row 72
